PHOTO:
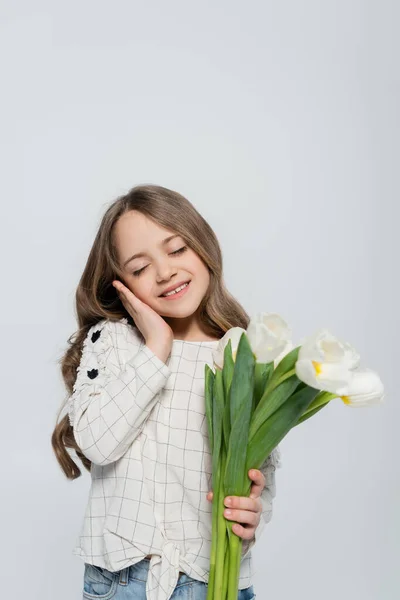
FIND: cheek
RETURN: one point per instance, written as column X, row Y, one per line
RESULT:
column 198, row 267
column 203, row 273
column 136, row 286
column 140, row 289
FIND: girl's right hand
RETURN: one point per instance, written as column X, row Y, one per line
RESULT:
column 156, row 332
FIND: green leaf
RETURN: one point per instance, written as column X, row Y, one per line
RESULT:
column 309, row 414
column 243, row 377
column 208, row 394
column 241, row 400
column 321, row 400
column 270, row 402
column 286, row 364
column 274, row 429
column 227, row 375
column 217, row 414
column 262, row 373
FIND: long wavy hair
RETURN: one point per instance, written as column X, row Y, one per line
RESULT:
column 97, row 299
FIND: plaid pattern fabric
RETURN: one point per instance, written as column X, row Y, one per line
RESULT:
column 142, row 423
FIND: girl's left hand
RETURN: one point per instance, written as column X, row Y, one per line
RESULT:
column 245, row 510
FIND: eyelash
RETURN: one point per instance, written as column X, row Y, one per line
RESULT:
column 180, row 251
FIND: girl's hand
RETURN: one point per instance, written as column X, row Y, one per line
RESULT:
column 245, row 510
column 153, row 327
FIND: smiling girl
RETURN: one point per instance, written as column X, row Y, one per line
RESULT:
column 151, row 308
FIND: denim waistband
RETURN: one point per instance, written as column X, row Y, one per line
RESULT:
column 140, row 571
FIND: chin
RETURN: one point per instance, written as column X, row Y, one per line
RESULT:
column 181, row 310
column 179, row 313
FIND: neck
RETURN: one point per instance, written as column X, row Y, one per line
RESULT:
column 188, row 329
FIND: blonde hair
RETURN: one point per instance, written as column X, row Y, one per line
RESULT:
column 97, row 299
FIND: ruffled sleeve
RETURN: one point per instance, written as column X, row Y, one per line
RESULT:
column 112, row 399
column 268, row 469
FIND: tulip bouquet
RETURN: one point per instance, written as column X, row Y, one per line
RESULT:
column 261, row 387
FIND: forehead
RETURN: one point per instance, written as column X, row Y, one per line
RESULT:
column 139, row 231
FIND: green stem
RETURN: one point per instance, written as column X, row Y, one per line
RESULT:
column 220, row 534
column 211, row 576
column 235, row 555
column 235, row 545
column 226, row 570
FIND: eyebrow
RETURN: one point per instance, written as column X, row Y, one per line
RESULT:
column 163, row 243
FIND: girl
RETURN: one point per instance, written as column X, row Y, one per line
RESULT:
column 151, row 307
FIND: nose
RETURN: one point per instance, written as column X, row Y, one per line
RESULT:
column 165, row 271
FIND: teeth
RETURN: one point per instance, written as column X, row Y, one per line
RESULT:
column 178, row 289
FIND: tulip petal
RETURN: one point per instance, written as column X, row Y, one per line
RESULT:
column 326, row 362
column 234, row 334
column 322, row 347
column 323, row 376
column 351, row 356
column 268, row 335
column 365, row 388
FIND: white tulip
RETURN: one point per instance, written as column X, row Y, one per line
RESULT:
column 269, row 336
column 325, row 363
column 365, row 389
column 234, row 334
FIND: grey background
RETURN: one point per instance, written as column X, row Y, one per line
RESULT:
column 280, row 122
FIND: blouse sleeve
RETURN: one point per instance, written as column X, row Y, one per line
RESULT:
column 268, row 469
column 111, row 401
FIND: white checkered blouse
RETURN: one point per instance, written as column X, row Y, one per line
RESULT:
column 142, row 423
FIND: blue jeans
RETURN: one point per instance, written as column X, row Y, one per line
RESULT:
column 130, row 584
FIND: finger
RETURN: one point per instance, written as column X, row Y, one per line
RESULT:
column 118, row 285
column 259, row 483
column 128, row 299
column 210, row 496
column 246, row 533
column 247, row 517
column 243, row 503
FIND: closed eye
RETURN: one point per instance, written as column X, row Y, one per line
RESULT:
column 139, row 271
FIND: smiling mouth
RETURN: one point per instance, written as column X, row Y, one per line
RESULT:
column 186, row 285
